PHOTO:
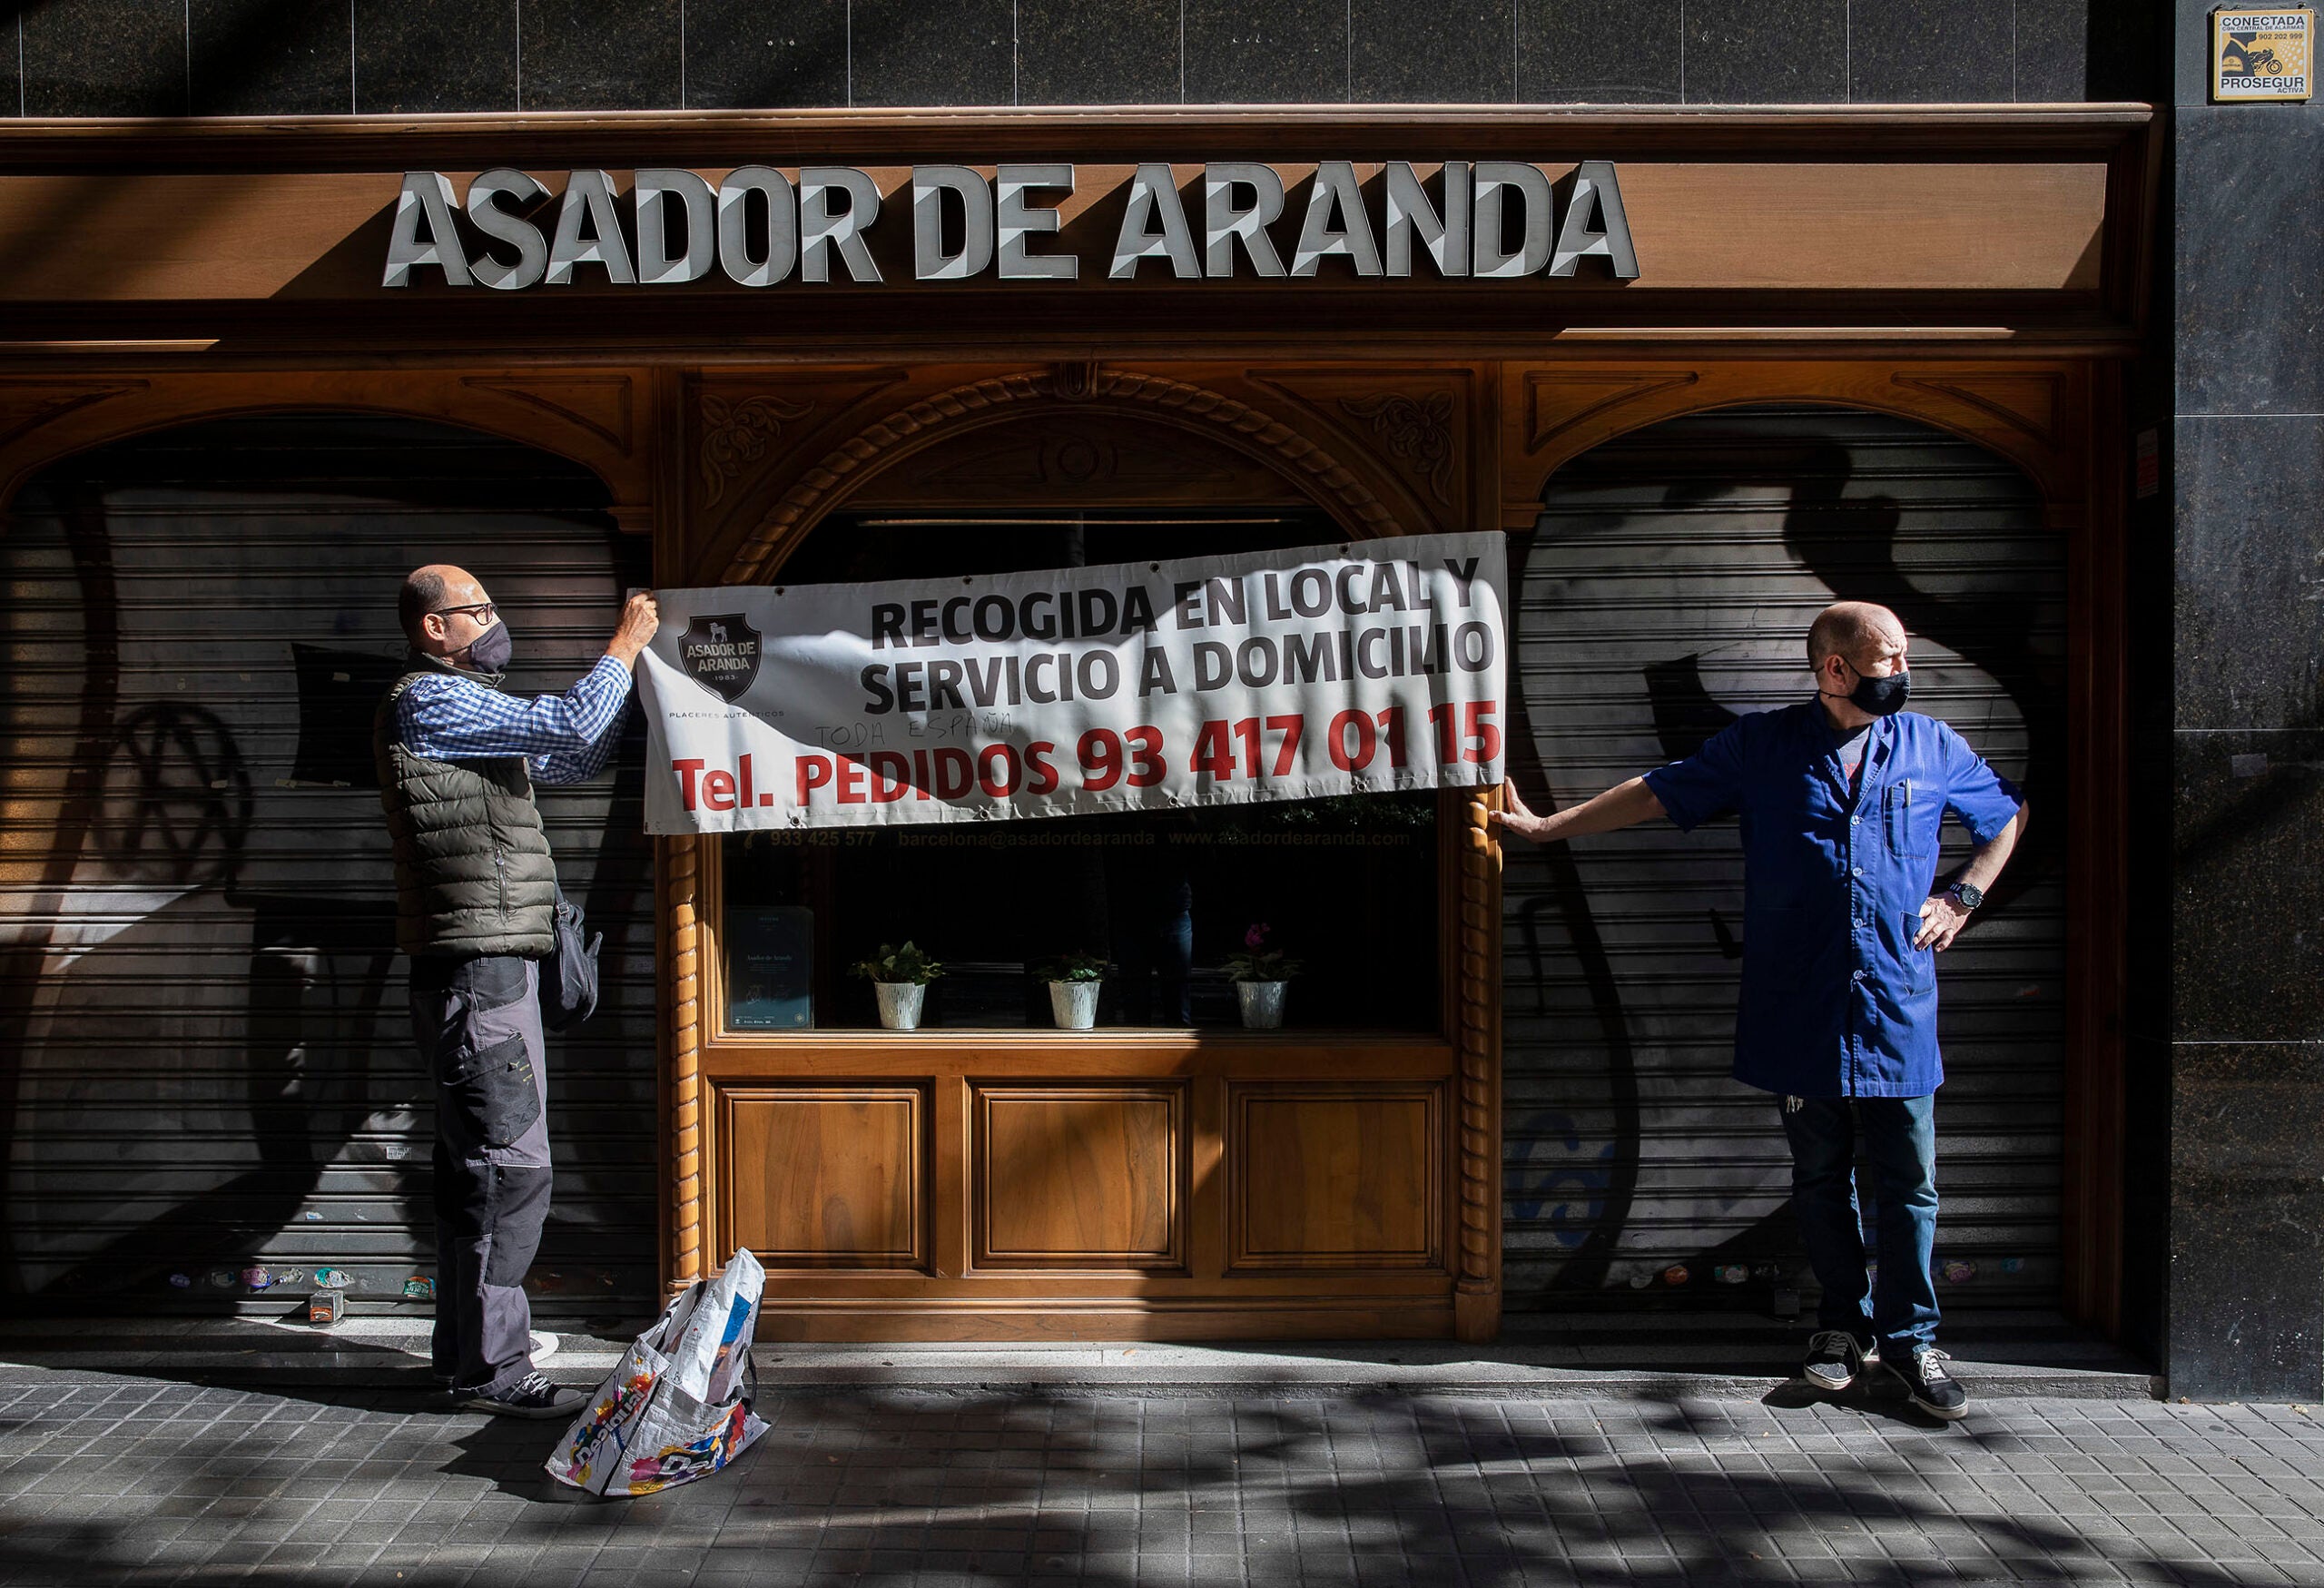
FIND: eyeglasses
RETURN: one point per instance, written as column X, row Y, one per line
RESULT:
column 482, row 609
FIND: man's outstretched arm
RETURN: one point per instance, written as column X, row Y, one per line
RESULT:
column 1622, row 805
column 447, row 718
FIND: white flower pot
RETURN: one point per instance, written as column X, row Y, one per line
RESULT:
column 900, row 1004
column 1074, row 1004
column 1261, row 1004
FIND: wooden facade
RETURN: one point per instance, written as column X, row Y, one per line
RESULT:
column 1979, row 271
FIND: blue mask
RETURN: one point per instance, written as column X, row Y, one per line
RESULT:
column 491, row 650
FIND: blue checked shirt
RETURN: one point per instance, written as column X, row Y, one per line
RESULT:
column 564, row 738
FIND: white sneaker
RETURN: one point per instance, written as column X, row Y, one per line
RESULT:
column 544, row 1346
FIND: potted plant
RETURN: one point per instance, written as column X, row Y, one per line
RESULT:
column 899, row 978
column 1074, row 980
column 1258, row 973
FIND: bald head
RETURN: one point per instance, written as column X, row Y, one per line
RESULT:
column 1849, row 629
column 430, row 590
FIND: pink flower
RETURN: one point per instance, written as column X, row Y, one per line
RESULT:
column 1257, row 936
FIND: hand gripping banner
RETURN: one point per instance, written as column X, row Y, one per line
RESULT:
column 1274, row 676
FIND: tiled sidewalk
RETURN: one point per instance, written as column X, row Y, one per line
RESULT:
column 118, row 1479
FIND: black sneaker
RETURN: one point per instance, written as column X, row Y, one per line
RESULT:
column 532, row 1396
column 1931, row 1388
column 1835, row 1357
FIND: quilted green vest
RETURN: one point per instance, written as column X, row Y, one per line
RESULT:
column 473, row 875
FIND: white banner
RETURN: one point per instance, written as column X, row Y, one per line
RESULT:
column 1274, row 675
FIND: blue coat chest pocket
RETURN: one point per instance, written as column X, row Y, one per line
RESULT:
column 1910, row 814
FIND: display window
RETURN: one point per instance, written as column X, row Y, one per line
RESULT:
column 1338, row 897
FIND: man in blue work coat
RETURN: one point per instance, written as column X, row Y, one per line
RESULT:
column 1841, row 798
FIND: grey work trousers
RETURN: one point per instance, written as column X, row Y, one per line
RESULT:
column 477, row 1025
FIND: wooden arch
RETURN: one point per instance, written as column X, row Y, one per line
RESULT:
column 596, row 419
column 1293, row 452
column 2035, row 414
column 2059, row 420
column 851, row 466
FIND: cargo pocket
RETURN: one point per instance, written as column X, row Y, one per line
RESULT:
column 493, row 1087
column 520, row 1206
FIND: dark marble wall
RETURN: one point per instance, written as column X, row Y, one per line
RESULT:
column 2246, row 1024
column 421, row 57
column 314, row 57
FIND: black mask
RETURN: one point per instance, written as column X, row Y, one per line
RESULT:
column 1880, row 697
column 491, row 650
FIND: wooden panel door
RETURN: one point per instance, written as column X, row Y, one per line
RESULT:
column 826, row 1177
column 1334, row 1175
column 1078, row 1176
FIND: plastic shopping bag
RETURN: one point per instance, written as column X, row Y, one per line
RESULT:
column 679, row 1407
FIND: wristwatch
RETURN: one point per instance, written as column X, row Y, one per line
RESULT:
column 1968, row 896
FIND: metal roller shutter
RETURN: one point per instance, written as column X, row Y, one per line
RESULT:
column 203, row 1035
column 1669, row 584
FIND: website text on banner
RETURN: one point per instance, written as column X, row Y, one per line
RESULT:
column 1275, row 675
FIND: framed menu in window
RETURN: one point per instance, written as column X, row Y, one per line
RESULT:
column 770, row 967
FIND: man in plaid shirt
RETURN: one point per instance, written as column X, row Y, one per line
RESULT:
column 476, row 891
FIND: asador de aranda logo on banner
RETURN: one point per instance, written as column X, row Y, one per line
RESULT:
column 721, row 654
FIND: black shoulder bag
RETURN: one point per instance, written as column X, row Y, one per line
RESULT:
column 569, row 974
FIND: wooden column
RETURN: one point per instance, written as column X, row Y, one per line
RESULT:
column 1477, row 1293
column 680, row 868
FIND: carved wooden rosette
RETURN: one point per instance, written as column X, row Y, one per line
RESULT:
column 1417, row 432
column 737, row 433
column 681, row 859
column 1477, row 1290
column 1415, row 429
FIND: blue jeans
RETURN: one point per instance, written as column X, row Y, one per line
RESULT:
column 1899, row 1140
